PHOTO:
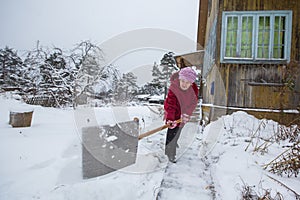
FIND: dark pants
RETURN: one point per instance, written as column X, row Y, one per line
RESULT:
column 171, row 141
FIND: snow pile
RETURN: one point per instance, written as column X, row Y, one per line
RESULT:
column 216, row 162
column 236, row 162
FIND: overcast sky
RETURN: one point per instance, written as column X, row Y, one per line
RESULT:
column 118, row 24
column 64, row 23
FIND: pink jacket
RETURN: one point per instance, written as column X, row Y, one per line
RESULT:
column 179, row 101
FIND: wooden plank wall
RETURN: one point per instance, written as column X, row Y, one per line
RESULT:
column 243, row 85
column 240, row 5
column 238, row 77
column 257, row 87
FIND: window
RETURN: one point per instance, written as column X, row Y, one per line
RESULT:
column 256, row 36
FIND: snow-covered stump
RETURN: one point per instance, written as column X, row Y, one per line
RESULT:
column 108, row 148
column 20, row 117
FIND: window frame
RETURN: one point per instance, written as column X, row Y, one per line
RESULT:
column 255, row 26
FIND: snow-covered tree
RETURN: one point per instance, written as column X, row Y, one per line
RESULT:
column 163, row 72
column 11, row 66
column 106, row 82
column 151, row 88
column 33, row 61
column 156, row 73
column 60, row 78
column 87, row 58
column 48, row 76
column 85, row 50
column 126, row 88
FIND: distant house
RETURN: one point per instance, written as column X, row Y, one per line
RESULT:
column 251, row 58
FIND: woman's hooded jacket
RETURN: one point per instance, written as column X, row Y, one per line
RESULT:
column 180, row 101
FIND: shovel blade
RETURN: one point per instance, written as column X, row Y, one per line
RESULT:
column 108, row 148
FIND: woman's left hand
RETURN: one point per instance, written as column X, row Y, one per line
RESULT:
column 185, row 118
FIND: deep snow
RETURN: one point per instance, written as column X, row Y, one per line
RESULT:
column 44, row 161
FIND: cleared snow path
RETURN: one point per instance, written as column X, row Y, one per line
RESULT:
column 188, row 178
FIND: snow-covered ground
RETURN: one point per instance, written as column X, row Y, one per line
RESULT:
column 214, row 162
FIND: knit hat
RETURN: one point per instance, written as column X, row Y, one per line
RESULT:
column 188, row 74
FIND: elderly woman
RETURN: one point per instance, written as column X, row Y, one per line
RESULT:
column 180, row 103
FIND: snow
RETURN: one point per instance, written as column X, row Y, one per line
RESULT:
column 111, row 138
column 214, row 162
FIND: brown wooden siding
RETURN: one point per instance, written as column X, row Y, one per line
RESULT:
column 263, row 86
column 260, row 86
column 241, row 5
column 257, row 86
column 202, row 19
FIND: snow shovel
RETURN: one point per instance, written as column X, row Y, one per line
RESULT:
column 146, row 134
column 108, row 148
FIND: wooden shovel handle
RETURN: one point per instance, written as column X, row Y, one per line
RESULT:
column 157, row 130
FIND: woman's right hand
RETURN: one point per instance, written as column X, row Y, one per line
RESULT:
column 172, row 124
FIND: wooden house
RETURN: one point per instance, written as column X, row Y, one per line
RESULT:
column 251, row 58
